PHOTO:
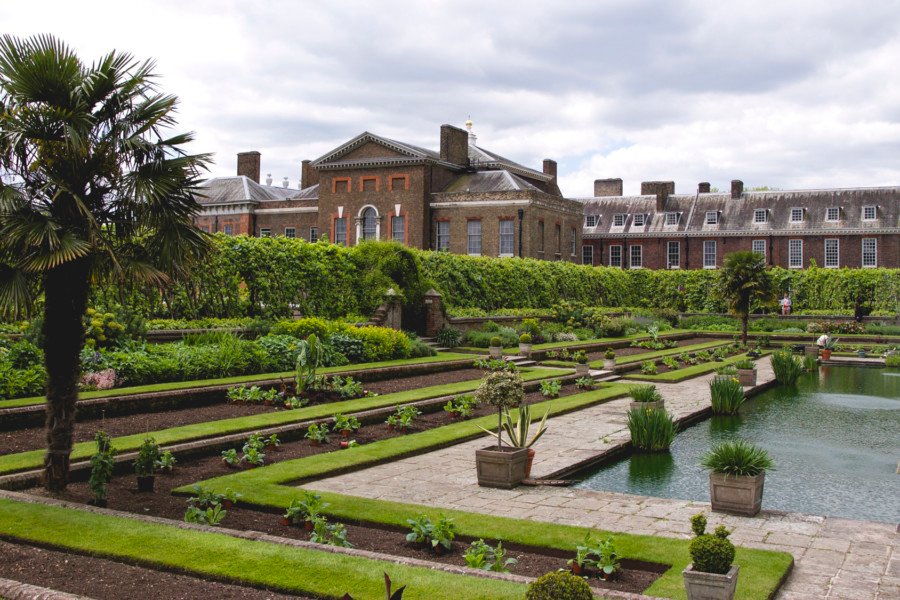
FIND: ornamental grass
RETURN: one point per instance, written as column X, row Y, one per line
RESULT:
column 738, row 458
column 644, row 393
column 726, row 395
column 652, row 430
column 786, row 366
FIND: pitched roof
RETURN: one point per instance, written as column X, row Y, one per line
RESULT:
column 481, row 159
column 241, row 189
column 409, row 153
column 489, row 181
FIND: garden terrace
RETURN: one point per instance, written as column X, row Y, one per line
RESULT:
column 677, row 375
column 626, row 355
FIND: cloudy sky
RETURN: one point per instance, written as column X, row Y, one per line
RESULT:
column 789, row 94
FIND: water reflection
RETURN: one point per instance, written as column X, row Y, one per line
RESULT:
column 650, row 469
column 725, row 427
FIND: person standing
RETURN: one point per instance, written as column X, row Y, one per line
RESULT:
column 786, row 305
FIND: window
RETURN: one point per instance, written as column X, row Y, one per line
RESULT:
column 672, row 218
column 340, row 231
column 474, row 233
column 712, row 217
column 869, row 213
column 574, row 241
column 558, row 239
column 369, row 224
column 673, row 255
column 398, row 229
column 590, row 221
column 290, row 232
column 587, row 255
column 638, row 220
column 442, row 235
column 506, row 237
column 340, row 185
column 795, row 254
column 619, row 220
column 228, row 230
column 760, row 215
column 314, row 234
column 541, row 237
column 796, row 215
column 265, row 233
column 204, row 228
column 636, row 257
column 615, row 256
column 833, row 213
column 832, row 253
column 869, row 252
column 398, row 182
column 709, row 254
column 759, row 246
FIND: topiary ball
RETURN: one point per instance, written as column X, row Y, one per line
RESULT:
column 560, row 585
column 711, row 553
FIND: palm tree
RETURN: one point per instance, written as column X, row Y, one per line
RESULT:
column 743, row 282
column 94, row 186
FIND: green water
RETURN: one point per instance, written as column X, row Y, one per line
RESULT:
column 835, row 439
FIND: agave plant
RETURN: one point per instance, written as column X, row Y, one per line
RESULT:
column 517, row 431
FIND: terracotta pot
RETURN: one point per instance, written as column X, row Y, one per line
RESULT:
column 314, row 442
column 227, row 504
column 826, row 354
column 345, row 433
column 285, row 521
column 528, row 463
column 345, row 445
column 145, row 484
column 308, row 525
column 577, row 569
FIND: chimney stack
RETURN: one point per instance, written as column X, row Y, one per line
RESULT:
column 703, row 187
column 248, row 165
column 737, row 188
column 607, row 187
column 454, row 145
column 308, row 175
column 661, row 189
column 550, row 167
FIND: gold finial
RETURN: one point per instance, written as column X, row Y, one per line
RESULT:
column 469, row 123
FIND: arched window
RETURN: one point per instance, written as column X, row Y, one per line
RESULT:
column 369, row 224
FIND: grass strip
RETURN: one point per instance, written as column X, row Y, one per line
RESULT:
column 33, row 459
column 262, row 564
column 178, row 385
column 679, row 375
column 633, row 358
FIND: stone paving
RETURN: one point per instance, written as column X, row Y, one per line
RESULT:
column 834, row 558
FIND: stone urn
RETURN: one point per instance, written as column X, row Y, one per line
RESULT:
column 609, row 364
column 710, row 586
column 496, row 351
column 582, row 370
column 747, row 377
column 658, row 405
column 525, row 350
column 502, row 467
column 737, row 494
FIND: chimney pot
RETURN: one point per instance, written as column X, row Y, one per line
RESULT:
column 248, row 165
column 607, row 187
column 737, row 188
column 703, row 187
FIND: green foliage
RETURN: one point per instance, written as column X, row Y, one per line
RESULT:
column 480, row 555
column 550, row 388
column 786, row 366
column 147, row 458
column 726, row 395
column 525, row 338
column 648, row 367
column 403, row 417
column 212, row 515
column 306, row 508
column 431, row 534
column 710, row 553
column 559, row 585
column 652, row 429
column 501, row 389
column 585, row 383
column 418, row 349
column 449, row 338
column 892, row 360
column 102, row 465
column 644, row 393
column 462, row 406
column 344, row 423
column 737, row 457
column 317, row 433
column 332, row 534
column 744, row 283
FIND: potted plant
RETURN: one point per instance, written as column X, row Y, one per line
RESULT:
column 645, row 397
column 496, row 348
column 145, row 464
column 581, row 366
column 517, row 432
column 746, row 371
column 344, row 425
column 609, row 359
column 525, row 344
column 861, row 352
column 102, row 464
column 828, row 348
column 317, row 434
column 737, row 475
column 711, row 574
column 498, row 466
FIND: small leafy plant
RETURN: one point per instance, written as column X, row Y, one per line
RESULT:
column 496, row 342
column 166, row 461
column 432, row 535
column 317, row 434
column 580, row 357
column 585, row 383
column 332, row 534
column 559, row 585
column 480, row 555
column 525, row 338
column 148, row 455
column 648, row 367
column 644, row 393
column 344, row 425
column 230, row 457
column 213, row 515
column 102, row 464
column 670, row 362
column 710, row 553
column 610, row 354
column 306, row 508
column 551, row 388
column 272, row 441
column 404, row 417
column 462, row 406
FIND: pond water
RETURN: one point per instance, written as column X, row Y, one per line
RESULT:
column 835, row 439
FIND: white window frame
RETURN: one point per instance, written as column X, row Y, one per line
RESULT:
column 707, row 254
column 794, row 247
column 671, row 218
column 590, row 220
column 639, row 220
column 712, row 217
column 265, row 232
column 755, row 243
column 761, row 211
column 228, row 229
column 837, row 210
column 673, row 251
column 473, row 238
column 507, row 240
column 632, row 263
column 587, row 254
column 794, row 212
column 290, row 232
column 618, row 253
column 340, row 230
column 874, row 210
column 442, row 239
column 401, row 219
column 619, row 220
column 574, row 242
column 360, row 224
column 874, row 253
column 836, row 251
column 313, row 234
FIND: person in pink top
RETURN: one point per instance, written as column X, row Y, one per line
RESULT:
column 786, row 305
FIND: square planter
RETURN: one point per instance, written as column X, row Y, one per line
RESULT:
column 496, row 351
column 747, row 377
column 525, row 350
column 658, row 405
column 710, row 586
column 738, row 495
column 582, row 370
column 609, row 364
column 812, row 351
column 501, row 468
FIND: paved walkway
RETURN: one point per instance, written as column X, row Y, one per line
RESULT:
column 835, row 558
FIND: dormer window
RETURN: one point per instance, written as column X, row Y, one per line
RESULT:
column 590, row 221
column 638, row 220
column 796, row 215
column 672, row 218
column 869, row 213
column 712, row 217
column 833, row 213
column 761, row 215
column 619, row 220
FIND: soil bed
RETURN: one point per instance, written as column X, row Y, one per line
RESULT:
column 105, row 579
column 35, row 437
column 593, row 356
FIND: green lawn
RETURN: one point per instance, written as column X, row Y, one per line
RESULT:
column 179, row 385
column 691, row 371
column 34, row 459
column 633, row 358
column 555, row 345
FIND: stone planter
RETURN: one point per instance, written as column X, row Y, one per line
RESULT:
column 861, row 353
column 747, row 377
column 525, row 350
column 501, row 467
column 609, row 364
column 496, row 351
column 582, row 370
column 740, row 495
column 710, row 586
column 812, row 351
column 658, row 405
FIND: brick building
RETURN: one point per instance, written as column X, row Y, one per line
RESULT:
column 662, row 230
column 462, row 199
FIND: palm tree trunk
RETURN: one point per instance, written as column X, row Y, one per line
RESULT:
column 744, row 320
column 66, row 292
